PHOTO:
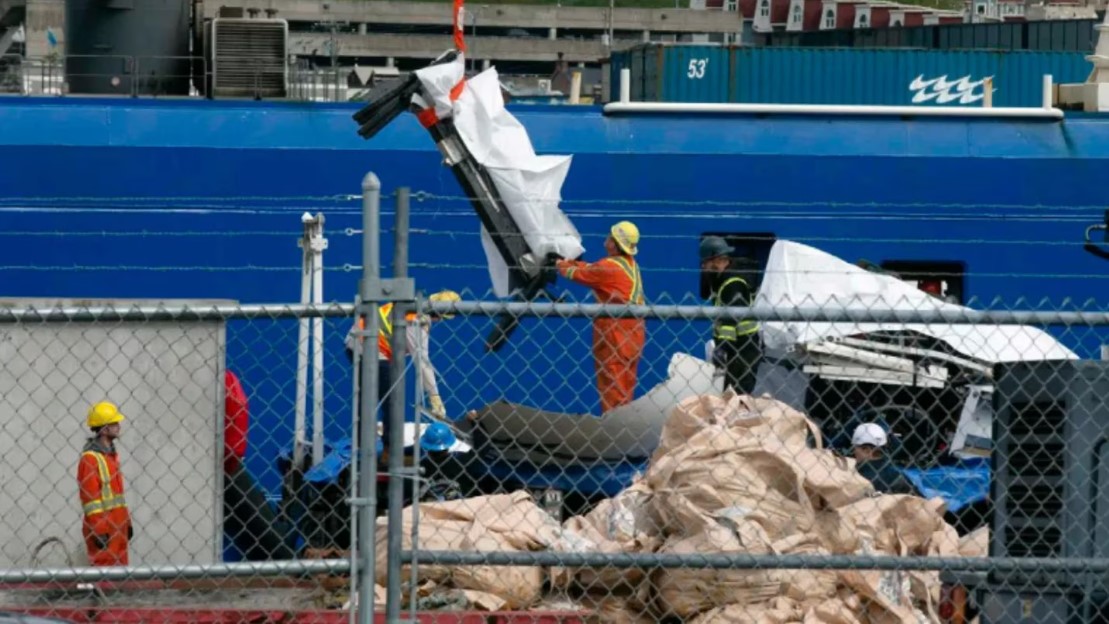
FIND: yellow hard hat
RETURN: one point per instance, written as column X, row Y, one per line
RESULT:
column 626, row 236
column 102, row 414
column 446, row 296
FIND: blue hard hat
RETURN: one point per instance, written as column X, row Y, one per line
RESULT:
column 437, row 437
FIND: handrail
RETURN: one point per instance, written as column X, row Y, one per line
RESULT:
column 618, row 108
column 625, row 106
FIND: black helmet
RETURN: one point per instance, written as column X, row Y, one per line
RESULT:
column 713, row 246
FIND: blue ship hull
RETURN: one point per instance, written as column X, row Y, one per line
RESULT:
column 214, row 191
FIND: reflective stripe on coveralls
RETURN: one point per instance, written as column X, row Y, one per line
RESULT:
column 106, row 523
column 724, row 329
column 107, row 500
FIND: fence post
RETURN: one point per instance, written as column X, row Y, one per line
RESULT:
column 396, row 409
column 367, row 431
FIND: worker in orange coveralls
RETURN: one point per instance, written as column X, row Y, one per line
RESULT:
column 107, row 523
column 617, row 342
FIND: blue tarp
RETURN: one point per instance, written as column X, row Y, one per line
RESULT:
column 959, row 486
column 601, row 478
column 336, row 459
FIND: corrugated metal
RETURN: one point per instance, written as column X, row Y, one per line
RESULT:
column 689, row 73
column 675, row 73
column 1051, row 35
column 698, row 73
column 886, row 77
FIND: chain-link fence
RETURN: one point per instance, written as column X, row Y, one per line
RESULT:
column 833, row 443
column 838, row 444
column 858, row 478
column 211, row 512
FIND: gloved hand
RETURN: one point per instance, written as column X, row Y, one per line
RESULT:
column 130, row 531
column 101, row 541
column 437, row 408
column 550, row 271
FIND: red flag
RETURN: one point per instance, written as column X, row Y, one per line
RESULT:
column 459, row 27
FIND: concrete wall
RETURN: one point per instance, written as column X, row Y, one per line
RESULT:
column 431, row 46
column 167, row 379
column 43, row 15
column 498, row 15
column 630, row 26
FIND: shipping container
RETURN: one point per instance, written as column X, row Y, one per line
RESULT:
column 876, row 76
column 899, row 77
column 675, row 73
column 1077, row 35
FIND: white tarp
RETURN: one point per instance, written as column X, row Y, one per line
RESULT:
column 801, row 276
column 530, row 185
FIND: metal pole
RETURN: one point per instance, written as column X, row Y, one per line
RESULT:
column 355, row 475
column 319, row 244
column 611, row 23
column 396, row 413
column 367, row 435
column 418, row 478
column 301, row 408
column 173, row 572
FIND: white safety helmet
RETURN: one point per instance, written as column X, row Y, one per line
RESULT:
column 869, row 434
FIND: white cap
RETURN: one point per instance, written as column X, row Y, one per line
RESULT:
column 869, row 433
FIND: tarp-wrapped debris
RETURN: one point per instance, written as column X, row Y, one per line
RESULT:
column 731, row 474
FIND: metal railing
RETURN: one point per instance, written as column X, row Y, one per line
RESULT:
column 165, row 76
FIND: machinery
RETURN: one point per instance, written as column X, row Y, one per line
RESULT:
column 530, row 271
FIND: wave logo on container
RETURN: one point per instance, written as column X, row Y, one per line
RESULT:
column 945, row 91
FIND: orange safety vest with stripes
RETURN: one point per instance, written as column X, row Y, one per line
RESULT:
column 385, row 333
column 606, row 291
column 101, row 487
column 631, row 269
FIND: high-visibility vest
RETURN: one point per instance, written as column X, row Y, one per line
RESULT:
column 108, row 500
column 385, row 332
column 725, row 329
column 632, row 271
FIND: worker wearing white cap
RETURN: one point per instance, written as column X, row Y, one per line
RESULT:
column 869, row 443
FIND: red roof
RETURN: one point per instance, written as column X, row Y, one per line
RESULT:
column 951, row 19
column 845, row 15
column 811, row 18
column 747, row 8
column 879, row 17
column 914, row 18
column 779, row 11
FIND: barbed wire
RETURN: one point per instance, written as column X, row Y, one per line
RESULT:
column 146, row 233
column 466, row 234
column 815, row 216
column 862, row 238
column 183, row 198
column 212, row 209
column 422, row 196
column 881, row 208
column 694, row 268
column 156, row 269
